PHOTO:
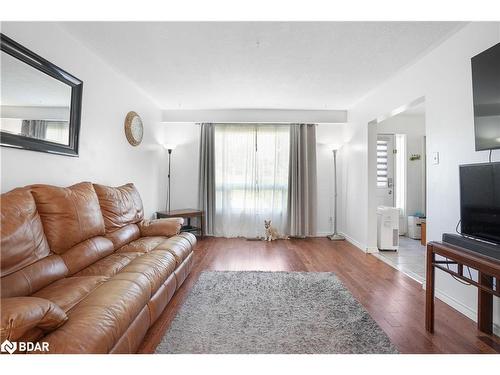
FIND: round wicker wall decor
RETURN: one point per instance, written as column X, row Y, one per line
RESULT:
column 134, row 130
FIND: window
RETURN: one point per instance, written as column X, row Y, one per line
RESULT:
column 49, row 130
column 382, row 163
column 251, row 178
column 57, row 131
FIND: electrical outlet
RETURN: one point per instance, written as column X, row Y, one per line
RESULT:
column 435, row 158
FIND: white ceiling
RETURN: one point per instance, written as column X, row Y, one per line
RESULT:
column 289, row 65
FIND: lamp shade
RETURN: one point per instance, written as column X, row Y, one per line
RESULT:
column 169, row 146
column 333, row 147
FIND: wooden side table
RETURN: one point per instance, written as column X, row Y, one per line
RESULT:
column 487, row 268
column 187, row 213
column 423, row 232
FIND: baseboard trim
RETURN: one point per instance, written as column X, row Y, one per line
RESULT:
column 461, row 308
column 359, row 245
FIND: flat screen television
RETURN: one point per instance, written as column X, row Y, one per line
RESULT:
column 486, row 94
column 480, row 201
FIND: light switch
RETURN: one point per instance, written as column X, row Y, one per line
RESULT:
column 435, row 158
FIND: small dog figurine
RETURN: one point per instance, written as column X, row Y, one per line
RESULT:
column 272, row 233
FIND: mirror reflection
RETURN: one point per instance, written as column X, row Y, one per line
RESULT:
column 33, row 104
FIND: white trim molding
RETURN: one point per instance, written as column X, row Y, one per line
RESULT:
column 359, row 245
column 251, row 115
column 461, row 308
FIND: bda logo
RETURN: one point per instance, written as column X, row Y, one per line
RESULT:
column 24, row 346
column 8, row 346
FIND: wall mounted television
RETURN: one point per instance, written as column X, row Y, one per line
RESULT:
column 480, row 201
column 486, row 94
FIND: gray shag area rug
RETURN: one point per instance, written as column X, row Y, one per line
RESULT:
column 273, row 312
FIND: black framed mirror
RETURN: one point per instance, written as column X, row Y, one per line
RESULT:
column 40, row 103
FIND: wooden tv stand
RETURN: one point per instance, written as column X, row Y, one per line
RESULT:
column 488, row 268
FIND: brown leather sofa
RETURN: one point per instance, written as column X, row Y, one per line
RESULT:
column 82, row 270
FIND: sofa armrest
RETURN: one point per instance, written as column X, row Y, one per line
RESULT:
column 21, row 314
column 161, row 227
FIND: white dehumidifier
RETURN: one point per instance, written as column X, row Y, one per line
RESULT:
column 387, row 228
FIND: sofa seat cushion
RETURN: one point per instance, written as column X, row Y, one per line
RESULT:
column 86, row 253
column 179, row 246
column 98, row 322
column 33, row 277
column 143, row 244
column 109, row 265
column 156, row 265
column 124, row 235
column 68, row 292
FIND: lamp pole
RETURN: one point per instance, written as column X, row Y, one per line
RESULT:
column 335, row 236
column 168, row 192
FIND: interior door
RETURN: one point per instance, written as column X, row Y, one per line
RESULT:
column 385, row 170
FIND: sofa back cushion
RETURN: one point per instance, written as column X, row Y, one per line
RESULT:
column 69, row 215
column 120, row 206
column 22, row 239
column 27, row 264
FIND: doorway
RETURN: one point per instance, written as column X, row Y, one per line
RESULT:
column 401, row 184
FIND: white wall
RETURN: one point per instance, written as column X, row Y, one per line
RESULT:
column 184, row 163
column 105, row 155
column 353, row 194
column 328, row 136
column 443, row 77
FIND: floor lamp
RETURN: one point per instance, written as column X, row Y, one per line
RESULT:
column 169, row 148
column 335, row 236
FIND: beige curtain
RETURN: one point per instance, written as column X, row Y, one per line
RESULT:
column 34, row 128
column 302, row 181
column 207, row 176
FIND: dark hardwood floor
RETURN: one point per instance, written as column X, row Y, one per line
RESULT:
column 394, row 300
